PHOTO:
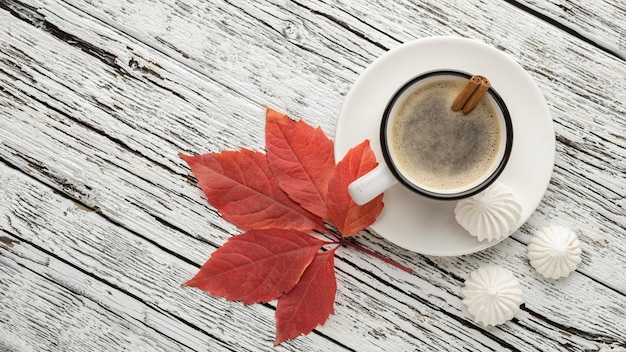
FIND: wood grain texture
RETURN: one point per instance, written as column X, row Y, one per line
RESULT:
column 98, row 98
column 49, row 305
column 599, row 22
column 568, row 94
column 134, row 278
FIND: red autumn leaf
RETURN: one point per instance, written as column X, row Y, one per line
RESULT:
column 302, row 159
column 240, row 185
column 310, row 302
column 274, row 198
column 257, row 266
column 343, row 212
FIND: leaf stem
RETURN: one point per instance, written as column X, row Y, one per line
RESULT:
column 376, row 255
column 330, row 229
column 337, row 243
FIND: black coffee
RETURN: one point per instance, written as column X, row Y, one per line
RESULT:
column 439, row 148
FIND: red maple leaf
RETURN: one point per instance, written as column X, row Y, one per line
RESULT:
column 343, row 212
column 274, row 198
column 257, row 266
column 310, row 302
column 301, row 157
column 240, row 185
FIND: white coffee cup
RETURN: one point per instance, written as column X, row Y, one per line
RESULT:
column 410, row 138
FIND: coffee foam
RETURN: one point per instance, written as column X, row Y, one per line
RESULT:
column 439, row 149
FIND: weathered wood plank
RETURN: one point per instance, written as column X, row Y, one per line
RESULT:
column 588, row 163
column 602, row 22
column 131, row 278
column 560, row 307
column 48, row 305
column 95, row 133
column 77, row 114
column 382, row 307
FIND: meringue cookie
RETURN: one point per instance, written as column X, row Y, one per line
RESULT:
column 554, row 251
column 492, row 295
column 490, row 215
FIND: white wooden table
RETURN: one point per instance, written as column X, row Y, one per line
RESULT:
column 101, row 221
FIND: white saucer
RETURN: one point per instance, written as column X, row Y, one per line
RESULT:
column 428, row 226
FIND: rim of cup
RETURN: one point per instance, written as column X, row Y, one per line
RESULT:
column 481, row 183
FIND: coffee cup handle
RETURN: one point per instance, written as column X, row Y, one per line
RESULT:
column 370, row 185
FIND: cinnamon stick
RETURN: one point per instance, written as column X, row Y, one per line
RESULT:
column 473, row 100
column 466, row 93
